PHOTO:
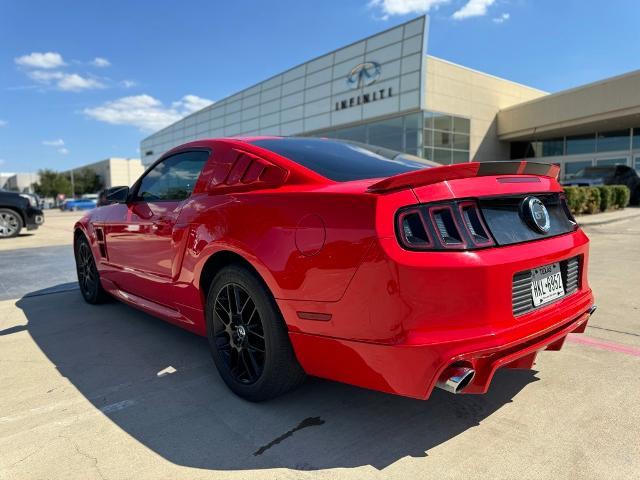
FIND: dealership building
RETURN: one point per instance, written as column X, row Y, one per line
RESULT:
column 386, row 90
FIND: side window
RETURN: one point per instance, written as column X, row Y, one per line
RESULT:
column 173, row 178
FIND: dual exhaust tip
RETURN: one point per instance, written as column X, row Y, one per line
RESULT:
column 455, row 379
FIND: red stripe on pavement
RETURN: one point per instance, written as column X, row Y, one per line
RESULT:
column 611, row 346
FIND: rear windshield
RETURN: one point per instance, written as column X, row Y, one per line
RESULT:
column 343, row 161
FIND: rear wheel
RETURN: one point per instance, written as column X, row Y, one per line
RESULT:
column 88, row 276
column 248, row 338
column 10, row 223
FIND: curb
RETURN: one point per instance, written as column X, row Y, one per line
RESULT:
column 607, row 222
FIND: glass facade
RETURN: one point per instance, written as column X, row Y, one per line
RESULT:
column 613, row 141
column 435, row 136
column 578, row 144
column 609, row 141
column 607, row 162
column 446, row 138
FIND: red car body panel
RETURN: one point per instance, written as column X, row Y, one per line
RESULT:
column 359, row 307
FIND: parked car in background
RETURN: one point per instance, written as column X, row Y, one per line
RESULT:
column 72, row 205
column 609, row 175
column 344, row 261
column 18, row 211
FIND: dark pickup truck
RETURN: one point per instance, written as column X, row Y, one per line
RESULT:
column 608, row 175
column 18, row 211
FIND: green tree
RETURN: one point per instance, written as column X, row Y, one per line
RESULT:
column 86, row 180
column 52, row 183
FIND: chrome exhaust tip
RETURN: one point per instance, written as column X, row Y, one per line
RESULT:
column 455, row 379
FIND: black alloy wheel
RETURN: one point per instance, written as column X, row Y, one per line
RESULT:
column 88, row 275
column 248, row 338
column 239, row 333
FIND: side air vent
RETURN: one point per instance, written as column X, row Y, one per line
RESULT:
column 241, row 171
column 521, row 293
column 571, row 275
column 102, row 245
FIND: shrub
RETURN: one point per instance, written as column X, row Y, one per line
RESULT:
column 575, row 198
column 607, row 197
column 621, row 195
column 592, row 203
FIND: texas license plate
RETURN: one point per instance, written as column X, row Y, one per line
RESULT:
column 546, row 284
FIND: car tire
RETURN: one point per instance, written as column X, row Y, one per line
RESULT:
column 88, row 275
column 248, row 337
column 10, row 223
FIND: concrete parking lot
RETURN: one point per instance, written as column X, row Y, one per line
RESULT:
column 87, row 392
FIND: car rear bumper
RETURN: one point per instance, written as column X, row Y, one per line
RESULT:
column 405, row 318
column 414, row 369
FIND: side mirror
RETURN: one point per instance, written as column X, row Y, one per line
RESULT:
column 115, row 195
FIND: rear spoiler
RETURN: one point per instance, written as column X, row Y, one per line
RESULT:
column 429, row 176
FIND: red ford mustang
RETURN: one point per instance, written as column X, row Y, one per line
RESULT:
column 349, row 262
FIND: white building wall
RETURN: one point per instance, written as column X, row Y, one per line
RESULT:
column 458, row 90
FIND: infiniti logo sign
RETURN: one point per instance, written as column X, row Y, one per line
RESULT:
column 363, row 75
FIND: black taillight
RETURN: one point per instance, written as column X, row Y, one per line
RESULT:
column 443, row 226
column 448, row 231
column 474, row 224
column 413, row 230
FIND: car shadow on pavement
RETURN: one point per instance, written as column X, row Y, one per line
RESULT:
column 119, row 359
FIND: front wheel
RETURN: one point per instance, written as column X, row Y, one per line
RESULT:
column 88, row 275
column 248, row 337
column 10, row 223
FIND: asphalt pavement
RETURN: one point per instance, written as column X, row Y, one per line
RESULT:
column 109, row 392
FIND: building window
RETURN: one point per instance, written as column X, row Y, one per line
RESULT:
column 415, row 134
column 636, row 137
column 442, row 156
column 578, row 144
column 607, row 162
column 637, row 164
column 449, row 136
column 611, row 141
column 552, row 147
column 572, row 168
column 387, row 133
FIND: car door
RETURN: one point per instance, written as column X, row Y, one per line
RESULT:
column 145, row 244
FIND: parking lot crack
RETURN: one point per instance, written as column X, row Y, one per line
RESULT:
column 307, row 422
column 90, row 457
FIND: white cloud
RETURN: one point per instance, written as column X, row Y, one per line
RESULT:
column 65, row 81
column 40, row 60
column 145, row 112
column 191, row 103
column 75, row 82
column 473, row 8
column 100, row 62
column 128, row 83
column 502, row 18
column 3, row 123
column 53, row 143
column 405, row 7
column 63, row 151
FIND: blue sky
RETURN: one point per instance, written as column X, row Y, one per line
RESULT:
column 84, row 80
